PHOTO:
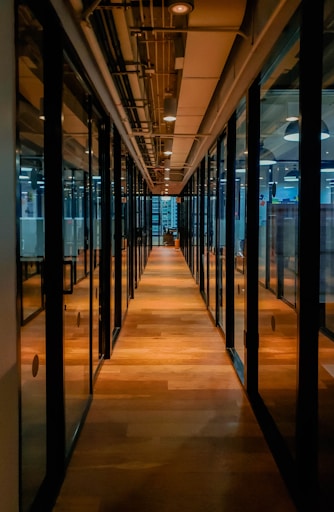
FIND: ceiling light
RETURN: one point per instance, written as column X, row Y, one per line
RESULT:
column 292, row 131
column 168, row 147
column 292, row 111
column 41, row 109
column 292, row 175
column 170, row 109
column 327, row 166
column 181, row 7
column 266, row 156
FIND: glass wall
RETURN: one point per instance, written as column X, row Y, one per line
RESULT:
column 212, row 236
column 164, row 219
column 195, row 225
column 156, row 221
column 124, row 232
column 96, row 227
column 278, row 223
column 77, row 155
column 240, row 230
column 30, row 210
column 222, row 234
column 204, row 177
column 326, row 346
column 112, row 233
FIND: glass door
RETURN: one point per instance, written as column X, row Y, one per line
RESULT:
column 278, row 245
column 96, row 227
column 30, row 210
column 212, row 235
column 239, row 231
column 77, row 250
column 222, row 234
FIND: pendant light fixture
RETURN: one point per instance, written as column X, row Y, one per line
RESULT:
column 292, row 131
column 266, row 156
column 41, row 114
column 170, row 109
column 181, row 7
column 167, row 165
column 168, row 143
column 292, row 175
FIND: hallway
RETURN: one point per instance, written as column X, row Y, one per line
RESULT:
column 170, row 428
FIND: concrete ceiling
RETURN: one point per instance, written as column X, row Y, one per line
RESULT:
column 152, row 54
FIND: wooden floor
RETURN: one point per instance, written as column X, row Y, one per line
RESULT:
column 170, row 428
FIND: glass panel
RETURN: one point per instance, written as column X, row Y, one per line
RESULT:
column 194, row 226
column 240, row 230
column 222, row 237
column 157, row 225
column 96, row 225
column 30, row 186
column 326, row 337
column 76, row 250
column 205, row 255
column 124, row 192
column 112, row 256
column 278, row 245
column 212, row 231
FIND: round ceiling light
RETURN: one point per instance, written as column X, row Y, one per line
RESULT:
column 181, row 7
column 292, row 131
column 170, row 109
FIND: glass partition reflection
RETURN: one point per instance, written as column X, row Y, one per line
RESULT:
column 76, row 211
column 30, row 193
column 112, row 234
column 96, row 245
column 326, row 336
column 204, row 213
column 194, row 225
column 125, row 248
column 212, row 231
column 240, row 230
column 222, row 236
column 278, row 241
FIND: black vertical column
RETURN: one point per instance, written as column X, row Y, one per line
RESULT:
column 309, row 249
column 230, row 220
column 106, row 258
column 252, row 239
column 118, row 228
column 53, row 83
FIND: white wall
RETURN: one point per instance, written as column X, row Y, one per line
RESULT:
column 8, row 331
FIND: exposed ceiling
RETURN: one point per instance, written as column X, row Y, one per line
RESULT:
column 144, row 55
column 152, row 54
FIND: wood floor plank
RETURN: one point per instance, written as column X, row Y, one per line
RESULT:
column 170, row 428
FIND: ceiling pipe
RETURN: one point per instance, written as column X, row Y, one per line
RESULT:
column 99, row 74
column 85, row 15
column 122, row 19
column 233, row 30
